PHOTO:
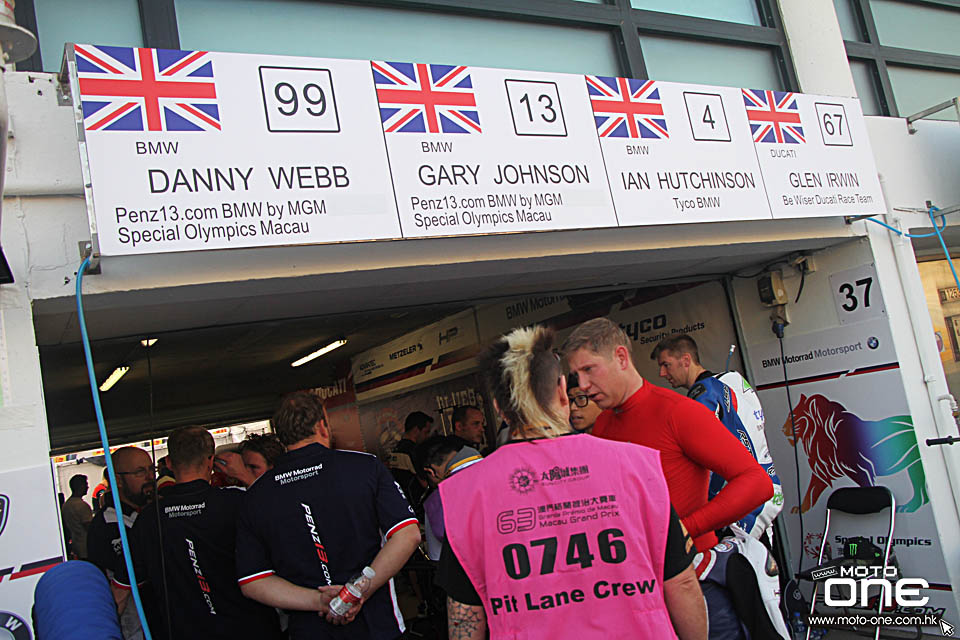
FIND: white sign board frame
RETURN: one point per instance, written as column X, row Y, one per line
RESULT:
column 195, row 150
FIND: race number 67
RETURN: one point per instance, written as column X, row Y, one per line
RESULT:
column 298, row 100
column 834, row 125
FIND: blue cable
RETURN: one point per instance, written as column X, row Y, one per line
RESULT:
column 943, row 246
column 106, row 451
column 936, row 231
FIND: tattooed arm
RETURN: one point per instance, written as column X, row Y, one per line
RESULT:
column 466, row 622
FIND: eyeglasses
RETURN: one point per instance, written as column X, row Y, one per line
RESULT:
column 140, row 473
column 580, row 400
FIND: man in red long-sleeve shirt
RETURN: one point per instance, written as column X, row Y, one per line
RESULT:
column 691, row 441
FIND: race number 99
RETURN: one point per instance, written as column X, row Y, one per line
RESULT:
column 299, row 100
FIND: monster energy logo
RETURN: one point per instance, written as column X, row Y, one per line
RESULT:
column 853, row 548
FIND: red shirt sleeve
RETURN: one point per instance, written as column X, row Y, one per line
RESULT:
column 706, row 441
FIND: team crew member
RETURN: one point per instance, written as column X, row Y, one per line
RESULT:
column 402, row 461
column 441, row 457
column 736, row 405
column 77, row 514
column 468, row 426
column 255, row 456
column 98, row 493
column 583, row 410
column 135, row 483
column 690, row 439
column 317, row 519
column 558, row 534
column 198, row 526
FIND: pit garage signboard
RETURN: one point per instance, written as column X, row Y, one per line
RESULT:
column 191, row 150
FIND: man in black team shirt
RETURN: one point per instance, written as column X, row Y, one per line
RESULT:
column 403, row 461
column 135, row 483
column 198, row 526
column 317, row 518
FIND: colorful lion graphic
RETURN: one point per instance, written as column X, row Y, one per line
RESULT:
column 839, row 443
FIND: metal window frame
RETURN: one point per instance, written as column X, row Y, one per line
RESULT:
column 880, row 56
column 158, row 23
column 768, row 37
column 158, row 26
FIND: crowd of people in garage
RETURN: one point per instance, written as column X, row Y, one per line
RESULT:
column 602, row 503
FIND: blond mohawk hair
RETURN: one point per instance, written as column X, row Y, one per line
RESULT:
column 523, row 373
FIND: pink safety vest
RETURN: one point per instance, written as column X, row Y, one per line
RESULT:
column 564, row 538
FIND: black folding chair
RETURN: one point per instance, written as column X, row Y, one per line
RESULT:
column 858, row 501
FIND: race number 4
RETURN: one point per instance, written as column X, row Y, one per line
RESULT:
column 299, row 100
column 708, row 120
column 535, row 107
column 834, row 126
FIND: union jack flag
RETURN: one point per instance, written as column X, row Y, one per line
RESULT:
column 132, row 89
column 425, row 98
column 774, row 116
column 627, row 108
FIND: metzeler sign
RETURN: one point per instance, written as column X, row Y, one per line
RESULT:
column 190, row 150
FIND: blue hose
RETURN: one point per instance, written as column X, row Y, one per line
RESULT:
column 106, row 451
column 936, row 230
column 72, row 601
column 943, row 245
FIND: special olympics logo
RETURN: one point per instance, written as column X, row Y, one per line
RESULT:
column 873, row 342
column 811, row 546
column 523, row 480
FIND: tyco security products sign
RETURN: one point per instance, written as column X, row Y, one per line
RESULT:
column 188, row 150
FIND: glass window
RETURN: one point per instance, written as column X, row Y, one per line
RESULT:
column 680, row 60
column 351, row 31
column 863, row 78
column 917, row 89
column 109, row 22
column 915, row 26
column 743, row 11
column 849, row 24
column 943, row 303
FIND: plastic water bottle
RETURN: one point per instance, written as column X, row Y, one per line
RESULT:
column 352, row 592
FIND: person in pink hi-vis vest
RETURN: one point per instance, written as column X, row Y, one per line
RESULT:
column 557, row 534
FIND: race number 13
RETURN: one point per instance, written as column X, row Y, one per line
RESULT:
column 299, row 100
column 535, row 107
